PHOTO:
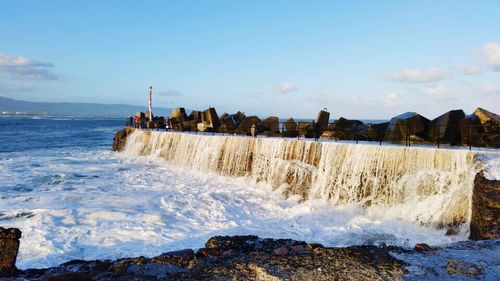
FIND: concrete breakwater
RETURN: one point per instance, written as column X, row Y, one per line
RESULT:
column 423, row 186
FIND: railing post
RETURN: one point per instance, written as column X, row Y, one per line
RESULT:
column 438, row 134
column 298, row 130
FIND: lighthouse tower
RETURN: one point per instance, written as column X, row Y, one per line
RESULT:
column 150, row 112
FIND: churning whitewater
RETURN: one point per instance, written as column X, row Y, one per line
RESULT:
column 73, row 198
column 427, row 187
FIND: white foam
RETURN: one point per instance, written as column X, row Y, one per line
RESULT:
column 101, row 205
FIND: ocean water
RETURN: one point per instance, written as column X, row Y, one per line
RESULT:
column 73, row 198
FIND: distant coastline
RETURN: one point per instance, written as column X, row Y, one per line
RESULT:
column 13, row 107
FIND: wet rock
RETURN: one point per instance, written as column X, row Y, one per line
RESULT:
column 451, row 231
column 299, row 249
column 459, row 267
column 485, row 220
column 208, row 252
column 120, row 138
column 180, row 257
column 281, row 251
column 237, row 243
column 422, row 247
column 9, row 247
column 69, row 276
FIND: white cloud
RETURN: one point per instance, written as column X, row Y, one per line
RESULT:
column 435, row 92
column 417, row 76
column 22, row 68
column 392, row 99
column 491, row 55
column 285, row 87
column 468, row 69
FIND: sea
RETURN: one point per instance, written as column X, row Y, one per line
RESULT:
column 74, row 198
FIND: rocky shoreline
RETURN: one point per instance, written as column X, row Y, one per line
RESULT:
column 254, row 258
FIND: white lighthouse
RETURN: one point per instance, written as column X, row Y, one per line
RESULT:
column 150, row 112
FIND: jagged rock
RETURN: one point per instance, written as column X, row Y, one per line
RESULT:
column 246, row 125
column 307, row 129
column 409, row 124
column 445, row 128
column 290, row 128
column 347, row 129
column 490, row 123
column 242, row 258
column 322, row 121
column 272, row 123
column 180, row 257
column 210, row 119
column 422, row 247
column 9, row 247
column 120, row 138
column 195, row 116
column 459, row 267
column 179, row 114
column 281, row 251
column 485, row 220
column 376, row 132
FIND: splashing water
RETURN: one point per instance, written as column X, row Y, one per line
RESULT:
column 425, row 186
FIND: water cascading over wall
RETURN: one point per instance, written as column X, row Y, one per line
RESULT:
column 425, row 186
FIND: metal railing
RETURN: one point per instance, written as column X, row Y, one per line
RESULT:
column 404, row 132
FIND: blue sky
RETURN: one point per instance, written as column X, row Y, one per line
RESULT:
column 369, row 59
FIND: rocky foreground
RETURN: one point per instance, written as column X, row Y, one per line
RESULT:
column 253, row 258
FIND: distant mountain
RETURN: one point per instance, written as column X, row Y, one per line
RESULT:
column 12, row 106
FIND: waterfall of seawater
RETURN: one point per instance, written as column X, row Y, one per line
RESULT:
column 421, row 185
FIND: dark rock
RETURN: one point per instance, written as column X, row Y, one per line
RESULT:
column 69, row 276
column 180, row 258
column 307, row 129
column 195, row 116
column 376, row 132
column 236, row 243
column 410, row 124
column 346, row 129
column 299, row 249
column 120, row 139
column 281, row 251
column 451, row 231
column 322, row 121
column 9, row 247
column 459, row 267
column 485, row 220
column 272, row 123
column 208, row 252
column 488, row 133
column 445, row 128
column 246, row 125
column 422, row 247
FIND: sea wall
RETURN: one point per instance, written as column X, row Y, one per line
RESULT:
column 424, row 186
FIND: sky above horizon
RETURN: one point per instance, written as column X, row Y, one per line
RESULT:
column 364, row 59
